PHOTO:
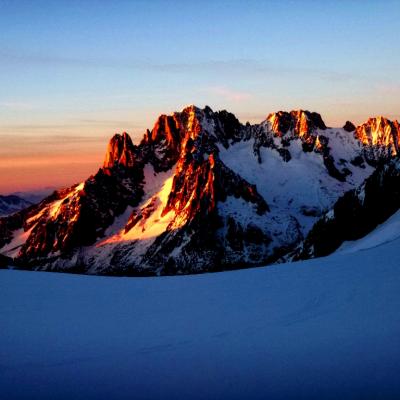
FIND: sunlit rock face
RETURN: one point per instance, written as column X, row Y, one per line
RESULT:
column 200, row 192
column 380, row 138
column 300, row 122
column 294, row 125
column 163, row 145
column 120, row 151
column 297, row 124
column 76, row 216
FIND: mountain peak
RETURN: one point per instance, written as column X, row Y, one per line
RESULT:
column 380, row 138
column 301, row 122
column 120, row 151
column 190, row 108
column 349, row 126
column 379, row 131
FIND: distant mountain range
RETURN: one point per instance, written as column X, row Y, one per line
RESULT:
column 36, row 195
column 11, row 204
column 204, row 192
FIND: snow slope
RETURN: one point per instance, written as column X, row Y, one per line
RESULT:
column 384, row 233
column 325, row 329
column 301, row 188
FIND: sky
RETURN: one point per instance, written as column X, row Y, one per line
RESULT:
column 72, row 73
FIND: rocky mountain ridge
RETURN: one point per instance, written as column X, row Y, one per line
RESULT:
column 200, row 192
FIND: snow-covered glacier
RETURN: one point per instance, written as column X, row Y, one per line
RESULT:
column 325, row 328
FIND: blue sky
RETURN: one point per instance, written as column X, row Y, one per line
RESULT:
column 90, row 68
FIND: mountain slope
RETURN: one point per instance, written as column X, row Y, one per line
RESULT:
column 356, row 213
column 200, row 192
column 320, row 329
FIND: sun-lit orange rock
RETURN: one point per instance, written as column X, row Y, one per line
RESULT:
column 120, row 151
column 301, row 123
column 380, row 131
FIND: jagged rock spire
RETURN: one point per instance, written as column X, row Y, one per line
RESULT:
column 120, row 151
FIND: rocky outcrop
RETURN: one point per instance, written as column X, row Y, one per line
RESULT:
column 78, row 217
column 349, row 126
column 284, row 127
column 10, row 224
column 120, row 151
column 201, row 181
column 5, row 262
column 162, row 146
column 301, row 123
column 380, row 138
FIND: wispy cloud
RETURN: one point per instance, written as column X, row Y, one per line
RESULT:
column 257, row 67
column 35, row 149
column 37, row 139
column 229, row 94
column 101, row 126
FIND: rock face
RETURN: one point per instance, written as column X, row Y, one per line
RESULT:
column 349, row 126
column 120, row 151
column 200, row 192
column 76, row 216
column 5, row 262
column 297, row 124
column 380, row 138
column 302, row 123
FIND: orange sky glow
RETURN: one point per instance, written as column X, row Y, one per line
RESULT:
column 30, row 164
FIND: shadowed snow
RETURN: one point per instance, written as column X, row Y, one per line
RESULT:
column 325, row 328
